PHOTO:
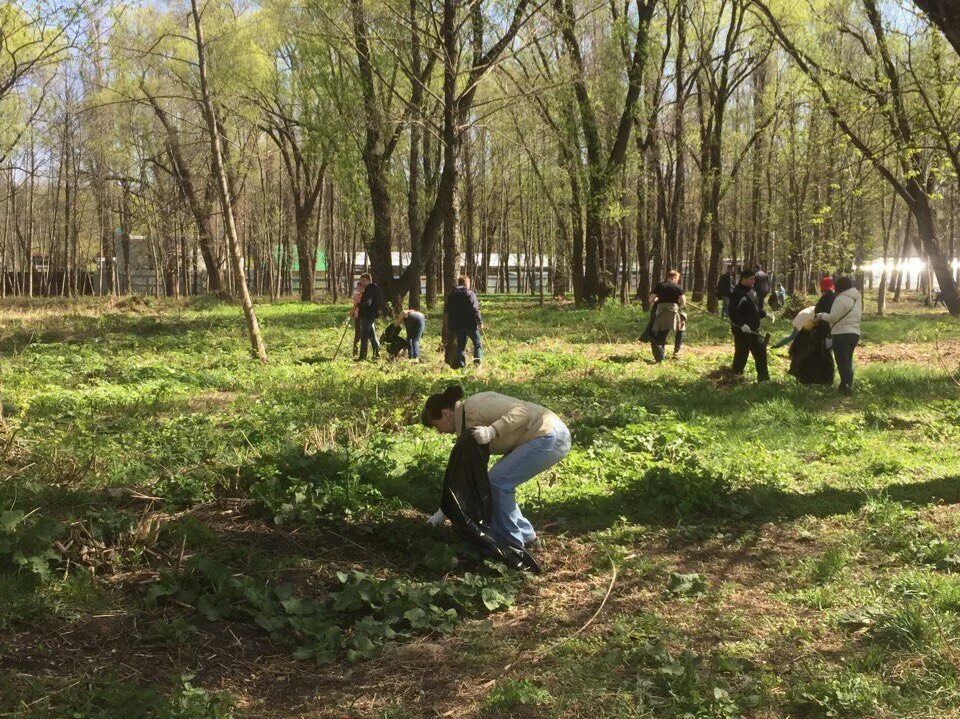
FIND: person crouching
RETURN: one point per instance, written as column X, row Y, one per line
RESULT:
column 531, row 439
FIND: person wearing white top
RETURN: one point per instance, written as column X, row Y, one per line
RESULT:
column 844, row 319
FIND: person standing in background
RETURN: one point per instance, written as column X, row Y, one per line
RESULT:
column 725, row 286
column 761, row 285
column 827, row 295
column 666, row 305
column 745, row 316
column 463, row 319
column 844, row 319
column 371, row 304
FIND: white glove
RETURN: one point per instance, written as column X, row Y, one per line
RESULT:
column 484, row 435
column 746, row 329
column 437, row 519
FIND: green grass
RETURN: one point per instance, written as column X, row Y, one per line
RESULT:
column 775, row 550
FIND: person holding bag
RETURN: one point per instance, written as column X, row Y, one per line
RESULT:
column 844, row 319
column 531, row 438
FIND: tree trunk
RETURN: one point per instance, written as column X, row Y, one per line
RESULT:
column 226, row 199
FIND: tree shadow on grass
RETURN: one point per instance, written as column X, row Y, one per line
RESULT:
column 742, row 509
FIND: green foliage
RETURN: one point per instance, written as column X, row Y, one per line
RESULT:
column 273, row 477
column 26, row 543
column 110, row 698
column 840, row 695
column 893, row 528
column 365, row 613
column 511, row 693
column 686, row 585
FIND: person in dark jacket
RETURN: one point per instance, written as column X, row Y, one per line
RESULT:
column 745, row 316
column 828, row 294
column 463, row 318
column 761, row 285
column 371, row 304
column 725, row 286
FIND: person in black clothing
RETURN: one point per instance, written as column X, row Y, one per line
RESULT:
column 463, row 318
column 828, row 294
column 745, row 316
column 666, row 305
column 371, row 304
column 725, row 286
column 761, row 286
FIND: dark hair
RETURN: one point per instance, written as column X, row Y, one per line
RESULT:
column 844, row 283
column 746, row 274
column 436, row 403
column 757, row 267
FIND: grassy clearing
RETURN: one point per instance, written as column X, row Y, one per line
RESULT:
column 186, row 534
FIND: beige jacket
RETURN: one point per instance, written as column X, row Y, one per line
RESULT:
column 514, row 420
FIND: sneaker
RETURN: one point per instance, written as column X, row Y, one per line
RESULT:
column 677, row 352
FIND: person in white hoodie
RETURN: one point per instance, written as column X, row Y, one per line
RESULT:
column 844, row 318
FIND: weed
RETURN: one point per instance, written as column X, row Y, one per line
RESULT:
column 26, row 543
column 843, row 694
column 517, row 692
column 686, row 585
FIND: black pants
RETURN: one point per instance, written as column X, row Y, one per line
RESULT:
column 761, row 298
column 745, row 344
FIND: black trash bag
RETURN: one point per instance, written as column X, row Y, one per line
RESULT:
column 451, row 354
column 468, row 504
column 810, row 360
column 647, row 334
column 392, row 341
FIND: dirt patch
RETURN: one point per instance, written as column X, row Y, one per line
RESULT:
column 210, row 401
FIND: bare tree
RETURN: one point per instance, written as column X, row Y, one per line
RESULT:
column 226, row 195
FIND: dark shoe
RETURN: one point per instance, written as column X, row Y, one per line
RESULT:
column 846, row 390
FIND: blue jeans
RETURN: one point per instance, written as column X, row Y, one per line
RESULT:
column 843, row 347
column 659, row 344
column 414, row 333
column 474, row 335
column 368, row 333
column 525, row 462
column 725, row 307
